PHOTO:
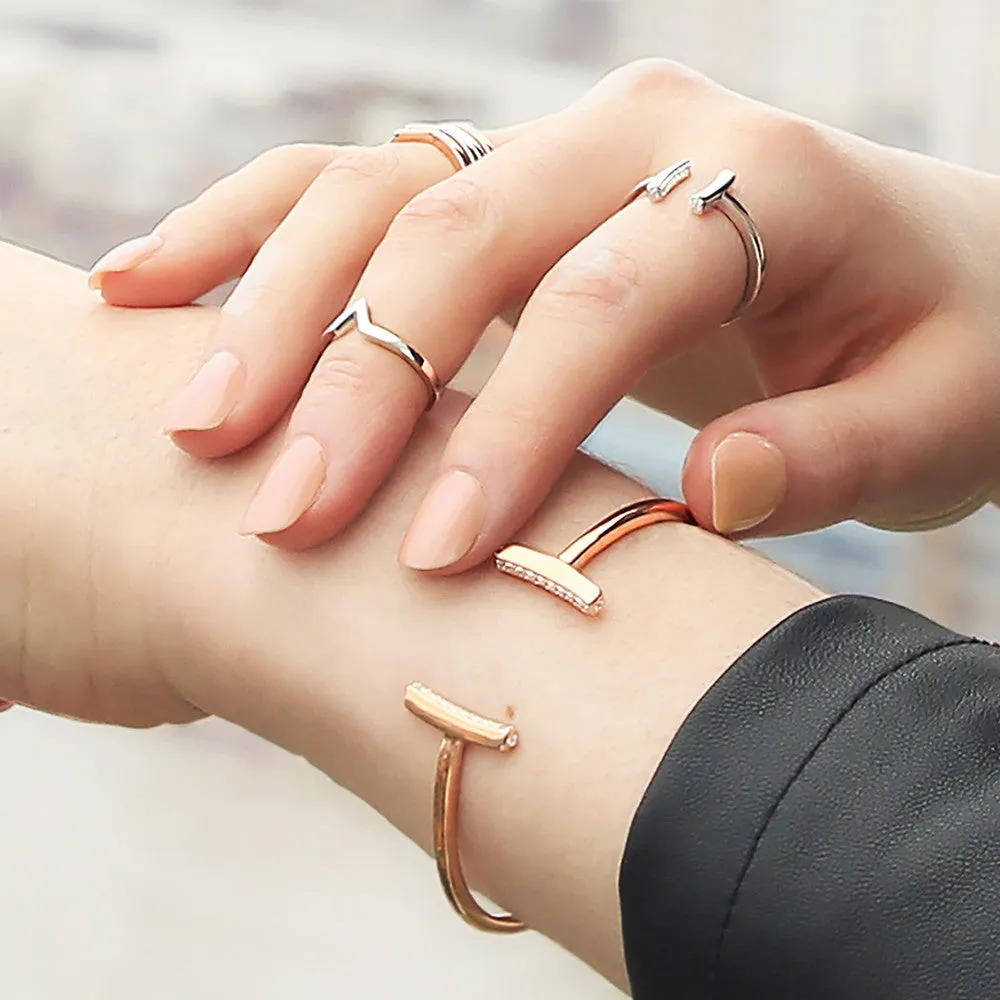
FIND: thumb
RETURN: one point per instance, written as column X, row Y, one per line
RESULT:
column 900, row 445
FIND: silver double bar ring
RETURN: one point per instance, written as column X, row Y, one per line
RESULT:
column 358, row 316
column 718, row 195
column 461, row 142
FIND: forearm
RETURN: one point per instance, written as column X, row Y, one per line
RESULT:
column 314, row 650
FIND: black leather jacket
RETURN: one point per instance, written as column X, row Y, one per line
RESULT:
column 826, row 825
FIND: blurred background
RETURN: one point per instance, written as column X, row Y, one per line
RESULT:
column 201, row 862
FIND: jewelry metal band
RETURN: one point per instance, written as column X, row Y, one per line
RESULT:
column 560, row 574
column 719, row 195
column 461, row 142
column 660, row 185
column 358, row 315
column 460, row 728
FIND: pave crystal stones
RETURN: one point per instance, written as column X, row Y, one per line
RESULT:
column 513, row 569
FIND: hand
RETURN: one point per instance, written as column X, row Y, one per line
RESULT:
column 122, row 601
column 868, row 365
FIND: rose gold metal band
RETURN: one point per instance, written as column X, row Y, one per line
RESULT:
column 460, row 728
column 560, row 574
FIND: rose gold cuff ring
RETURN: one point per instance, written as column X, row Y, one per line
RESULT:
column 560, row 574
column 461, row 142
column 460, row 728
column 358, row 316
column 718, row 195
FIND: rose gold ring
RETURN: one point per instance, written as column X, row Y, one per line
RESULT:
column 461, row 142
column 560, row 574
column 460, row 728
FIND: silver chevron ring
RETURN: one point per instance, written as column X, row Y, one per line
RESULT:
column 461, row 142
column 358, row 316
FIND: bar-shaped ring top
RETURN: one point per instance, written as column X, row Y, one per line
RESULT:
column 457, row 722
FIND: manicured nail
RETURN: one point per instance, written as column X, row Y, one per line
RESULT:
column 124, row 257
column 447, row 523
column 205, row 402
column 748, row 482
column 288, row 490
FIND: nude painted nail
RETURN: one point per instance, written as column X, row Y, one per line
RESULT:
column 208, row 399
column 288, row 490
column 748, row 482
column 447, row 523
column 124, row 257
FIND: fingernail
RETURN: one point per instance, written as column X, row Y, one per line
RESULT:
column 447, row 523
column 4, row 705
column 288, row 490
column 211, row 395
column 124, row 257
column 748, row 482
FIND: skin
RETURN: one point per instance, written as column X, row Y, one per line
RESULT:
column 869, row 362
column 124, row 599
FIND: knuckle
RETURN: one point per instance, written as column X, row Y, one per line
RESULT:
column 457, row 204
column 655, row 79
column 338, row 373
column 603, row 281
column 360, row 163
column 796, row 140
column 295, row 156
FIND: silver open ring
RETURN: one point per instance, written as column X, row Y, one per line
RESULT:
column 358, row 316
column 719, row 195
column 461, row 142
column 657, row 187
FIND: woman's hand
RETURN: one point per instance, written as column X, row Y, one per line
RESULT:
column 865, row 373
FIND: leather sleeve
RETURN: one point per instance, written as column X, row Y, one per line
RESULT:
column 826, row 824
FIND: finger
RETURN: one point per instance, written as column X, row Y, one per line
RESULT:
column 592, row 326
column 268, row 335
column 211, row 240
column 907, row 443
column 450, row 261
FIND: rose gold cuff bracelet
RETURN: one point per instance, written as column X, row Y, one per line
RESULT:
column 460, row 727
column 560, row 574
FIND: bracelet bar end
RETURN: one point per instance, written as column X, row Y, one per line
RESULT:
column 457, row 722
column 552, row 574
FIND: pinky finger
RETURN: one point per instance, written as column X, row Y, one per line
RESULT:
column 213, row 239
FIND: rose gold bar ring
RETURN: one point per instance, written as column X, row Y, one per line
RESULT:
column 560, row 574
column 460, row 728
column 718, row 195
column 461, row 142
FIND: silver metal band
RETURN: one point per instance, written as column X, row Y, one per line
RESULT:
column 358, row 316
column 657, row 187
column 461, row 142
column 719, row 195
